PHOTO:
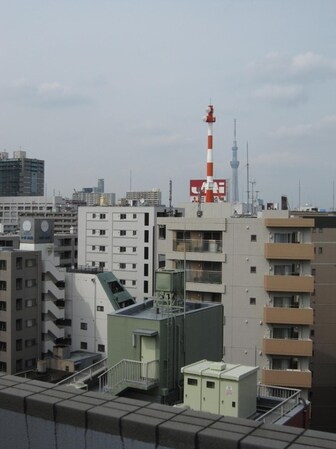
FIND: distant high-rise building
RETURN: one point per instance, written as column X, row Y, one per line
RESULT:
column 147, row 197
column 21, row 176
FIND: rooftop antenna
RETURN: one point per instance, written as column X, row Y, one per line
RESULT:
column 248, row 178
column 170, row 197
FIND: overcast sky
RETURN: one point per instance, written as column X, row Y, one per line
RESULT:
column 117, row 89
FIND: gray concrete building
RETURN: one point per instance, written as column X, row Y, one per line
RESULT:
column 20, row 309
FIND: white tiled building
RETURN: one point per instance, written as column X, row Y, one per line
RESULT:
column 122, row 240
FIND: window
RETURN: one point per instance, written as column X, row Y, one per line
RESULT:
column 3, row 366
column 101, row 348
column 192, row 381
column 3, row 326
column 101, row 248
column 253, row 238
column 134, row 216
column 3, row 306
column 93, row 215
column 102, row 264
column 253, row 301
column 19, row 263
column 146, row 219
column 30, row 302
column 122, row 281
column 30, row 323
column 320, row 250
column 233, row 404
column 134, row 266
column 30, row 363
column 83, row 345
column 18, row 324
column 18, row 284
column 19, row 304
column 102, row 216
column 122, row 266
column 93, row 247
column 146, row 252
column 134, row 233
column 210, row 384
column 30, row 342
column 146, row 269
column 30, row 283
column 253, row 269
column 93, row 231
column 162, row 232
column 3, row 285
column 100, row 308
column 133, row 283
column 19, row 345
column 122, row 216
column 313, row 271
column 3, row 264
column 3, row 346
column 30, row 263
column 146, row 236
column 122, row 249
column 102, row 232
column 93, row 264
column 83, row 326
column 145, row 286
column 134, row 249
column 122, row 232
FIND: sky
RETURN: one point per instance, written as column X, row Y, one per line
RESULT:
column 117, row 89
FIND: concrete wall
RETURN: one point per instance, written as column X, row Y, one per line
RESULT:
column 37, row 415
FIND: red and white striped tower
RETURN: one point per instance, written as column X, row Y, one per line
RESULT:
column 210, row 119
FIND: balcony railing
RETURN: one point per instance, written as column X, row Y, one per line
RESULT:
column 197, row 246
column 290, row 399
column 204, row 276
column 287, row 378
column 288, row 346
column 288, row 315
column 285, row 283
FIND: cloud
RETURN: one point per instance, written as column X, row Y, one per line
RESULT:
column 298, row 68
column 308, row 129
column 46, row 94
column 283, row 94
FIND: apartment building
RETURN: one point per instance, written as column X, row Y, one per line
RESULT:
column 121, row 240
column 323, row 362
column 259, row 268
column 20, row 309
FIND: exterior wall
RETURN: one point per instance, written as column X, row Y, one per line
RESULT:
column 87, row 306
column 20, row 297
column 120, row 240
column 247, row 281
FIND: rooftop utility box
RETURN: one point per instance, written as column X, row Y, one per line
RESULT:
column 221, row 388
column 169, row 281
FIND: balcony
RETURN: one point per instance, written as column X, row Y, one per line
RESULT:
column 197, row 245
column 279, row 283
column 204, row 276
column 289, row 222
column 288, row 315
column 287, row 378
column 288, row 347
column 289, row 251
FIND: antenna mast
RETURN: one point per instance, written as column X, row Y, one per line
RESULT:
column 248, row 178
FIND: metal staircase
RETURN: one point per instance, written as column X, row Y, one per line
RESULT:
column 129, row 374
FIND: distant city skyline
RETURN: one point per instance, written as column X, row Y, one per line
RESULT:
column 117, row 90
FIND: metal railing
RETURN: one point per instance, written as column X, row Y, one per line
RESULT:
column 200, row 245
column 129, row 372
column 291, row 398
column 85, row 374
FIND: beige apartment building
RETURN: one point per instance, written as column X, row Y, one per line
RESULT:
column 259, row 268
